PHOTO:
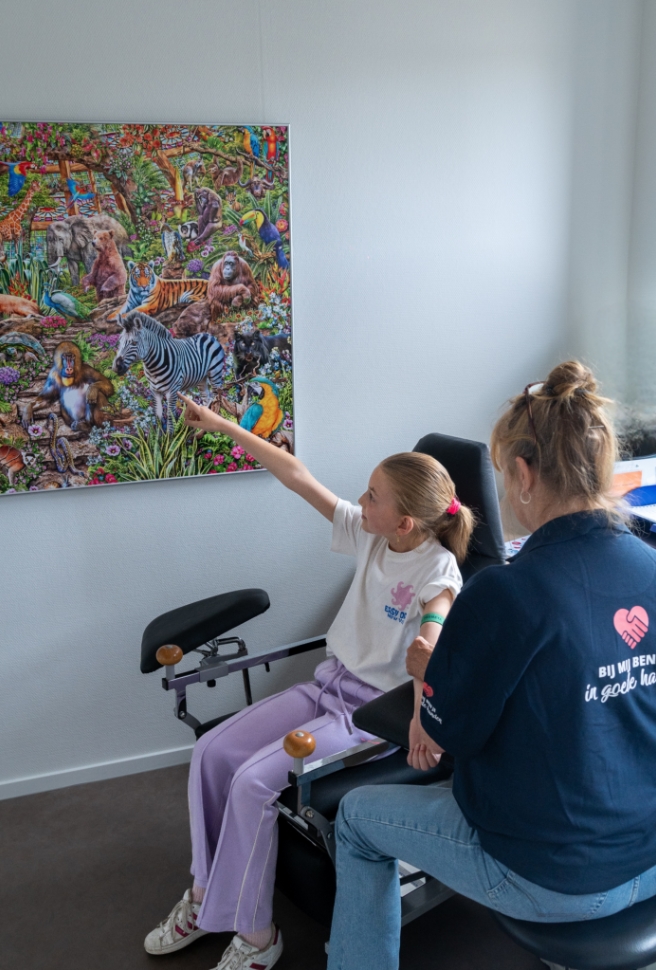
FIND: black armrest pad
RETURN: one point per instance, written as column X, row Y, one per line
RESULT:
column 388, row 716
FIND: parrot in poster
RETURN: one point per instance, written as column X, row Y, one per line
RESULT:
column 17, row 176
column 271, row 153
column 251, row 145
column 76, row 195
column 265, row 416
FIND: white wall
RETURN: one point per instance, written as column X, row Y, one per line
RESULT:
column 641, row 390
column 432, row 147
column 605, row 86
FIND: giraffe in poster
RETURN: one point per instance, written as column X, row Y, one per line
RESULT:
column 10, row 226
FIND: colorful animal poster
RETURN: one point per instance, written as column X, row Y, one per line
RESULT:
column 137, row 261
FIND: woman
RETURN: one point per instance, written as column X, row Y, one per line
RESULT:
column 540, row 687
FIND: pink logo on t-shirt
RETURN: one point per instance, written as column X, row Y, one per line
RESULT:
column 631, row 625
column 403, row 595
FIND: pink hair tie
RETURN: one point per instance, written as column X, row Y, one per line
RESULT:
column 454, row 507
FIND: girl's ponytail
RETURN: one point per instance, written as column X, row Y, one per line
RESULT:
column 424, row 490
column 454, row 529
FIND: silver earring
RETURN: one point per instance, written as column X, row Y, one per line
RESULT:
column 525, row 501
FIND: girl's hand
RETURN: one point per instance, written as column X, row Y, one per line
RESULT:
column 197, row 416
column 417, row 657
column 424, row 753
column 286, row 467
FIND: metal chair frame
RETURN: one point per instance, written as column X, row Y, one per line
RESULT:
column 419, row 890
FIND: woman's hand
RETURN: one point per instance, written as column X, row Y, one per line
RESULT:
column 424, row 753
column 197, row 416
column 417, row 657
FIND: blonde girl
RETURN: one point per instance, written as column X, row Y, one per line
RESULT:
column 406, row 535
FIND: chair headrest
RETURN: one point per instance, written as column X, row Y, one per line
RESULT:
column 470, row 466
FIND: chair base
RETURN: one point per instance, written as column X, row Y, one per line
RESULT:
column 557, row 966
column 624, row 941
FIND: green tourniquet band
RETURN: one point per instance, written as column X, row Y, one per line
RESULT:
column 432, row 618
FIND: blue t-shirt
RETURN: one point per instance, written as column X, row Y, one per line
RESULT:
column 543, row 687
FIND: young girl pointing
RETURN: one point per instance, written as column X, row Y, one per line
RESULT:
column 406, row 536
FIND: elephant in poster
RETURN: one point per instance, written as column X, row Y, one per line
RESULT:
column 72, row 239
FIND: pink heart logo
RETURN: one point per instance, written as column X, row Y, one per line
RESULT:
column 631, row 625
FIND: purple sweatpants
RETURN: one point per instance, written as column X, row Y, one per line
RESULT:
column 237, row 772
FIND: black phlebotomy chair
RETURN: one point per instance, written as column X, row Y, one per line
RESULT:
column 625, row 941
column 305, row 872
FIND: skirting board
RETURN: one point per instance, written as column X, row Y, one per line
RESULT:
column 100, row 772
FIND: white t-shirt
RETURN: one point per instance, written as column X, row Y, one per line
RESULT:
column 381, row 614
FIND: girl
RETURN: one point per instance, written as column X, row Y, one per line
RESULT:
column 406, row 538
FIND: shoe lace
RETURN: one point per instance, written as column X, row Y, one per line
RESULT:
column 237, row 955
column 182, row 915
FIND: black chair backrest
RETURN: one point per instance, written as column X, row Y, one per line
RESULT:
column 470, row 466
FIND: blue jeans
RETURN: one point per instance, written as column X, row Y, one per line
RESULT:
column 377, row 825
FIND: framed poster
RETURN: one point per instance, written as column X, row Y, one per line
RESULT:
column 137, row 261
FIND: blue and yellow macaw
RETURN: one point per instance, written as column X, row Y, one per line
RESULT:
column 251, row 145
column 268, row 233
column 17, row 176
column 265, row 416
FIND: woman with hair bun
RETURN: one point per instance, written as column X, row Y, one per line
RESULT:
column 543, row 688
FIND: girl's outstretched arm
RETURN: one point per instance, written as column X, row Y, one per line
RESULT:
column 287, row 469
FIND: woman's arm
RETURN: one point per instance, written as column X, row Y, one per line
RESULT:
column 423, row 753
column 286, row 468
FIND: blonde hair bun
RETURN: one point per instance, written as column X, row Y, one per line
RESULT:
column 570, row 378
column 564, row 431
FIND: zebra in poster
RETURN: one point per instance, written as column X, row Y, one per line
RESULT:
column 171, row 364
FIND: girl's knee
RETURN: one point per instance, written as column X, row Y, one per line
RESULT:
column 250, row 781
column 211, row 754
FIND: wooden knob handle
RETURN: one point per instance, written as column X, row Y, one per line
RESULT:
column 169, row 655
column 299, row 744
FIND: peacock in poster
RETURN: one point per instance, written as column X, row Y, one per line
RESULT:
column 136, row 262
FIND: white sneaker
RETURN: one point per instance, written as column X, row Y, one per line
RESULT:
column 177, row 930
column 240, row 955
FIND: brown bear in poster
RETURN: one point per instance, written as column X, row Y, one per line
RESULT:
column 231, row 283
column 108, row 273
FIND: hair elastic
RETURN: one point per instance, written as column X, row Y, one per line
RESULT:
column 454, row 507
column 432, row 618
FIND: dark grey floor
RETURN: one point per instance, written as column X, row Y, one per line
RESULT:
column 86, row 872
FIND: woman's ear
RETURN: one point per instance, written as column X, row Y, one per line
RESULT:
column 525, row 474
